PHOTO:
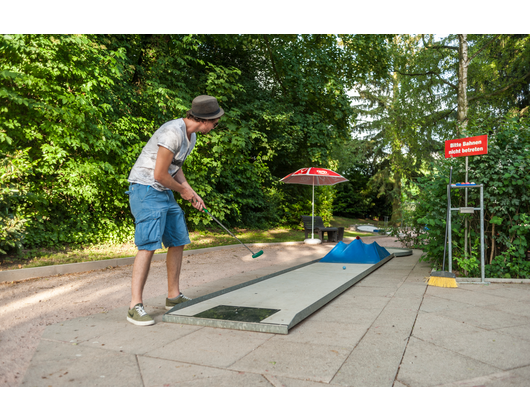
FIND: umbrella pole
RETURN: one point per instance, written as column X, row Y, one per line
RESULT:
column 313, row 218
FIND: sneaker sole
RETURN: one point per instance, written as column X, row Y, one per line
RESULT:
column 140, row 323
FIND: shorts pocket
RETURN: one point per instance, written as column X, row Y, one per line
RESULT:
column 147, row 231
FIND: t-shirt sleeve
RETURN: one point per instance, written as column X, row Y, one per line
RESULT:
column 170, row 138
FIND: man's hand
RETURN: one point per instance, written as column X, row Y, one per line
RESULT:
column 197, row 202
column 187, row 194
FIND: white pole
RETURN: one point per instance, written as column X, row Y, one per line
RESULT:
column 312, row 241
column 313, row 220
column 465, row 228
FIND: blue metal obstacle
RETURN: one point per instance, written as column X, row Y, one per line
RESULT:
column 357, row 252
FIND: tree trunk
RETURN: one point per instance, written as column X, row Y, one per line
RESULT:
column 397, row 213
column 462, row 106
column 462, row 82
column 396, row 147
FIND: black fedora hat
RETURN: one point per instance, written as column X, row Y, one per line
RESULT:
column 206, row 107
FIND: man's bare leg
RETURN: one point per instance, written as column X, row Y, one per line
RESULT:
column 141, row 266
column 174, row 264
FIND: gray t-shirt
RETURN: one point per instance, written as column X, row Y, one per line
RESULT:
column 172, row 136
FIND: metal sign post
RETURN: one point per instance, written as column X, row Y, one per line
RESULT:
column 469, row 146
column 468, row 210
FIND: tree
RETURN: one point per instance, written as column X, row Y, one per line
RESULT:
column 295, row 106
column 464, row 63
column 434, row 90
column 394, row 133
column 496, row 72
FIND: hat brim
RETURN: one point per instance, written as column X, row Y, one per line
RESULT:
column 213, row 116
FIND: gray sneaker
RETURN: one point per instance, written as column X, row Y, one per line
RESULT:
column 175, row 301
column 138, row 316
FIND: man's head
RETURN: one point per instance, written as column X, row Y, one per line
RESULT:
column 205, row 110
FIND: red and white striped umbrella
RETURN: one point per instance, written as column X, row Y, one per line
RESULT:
column 314, row 176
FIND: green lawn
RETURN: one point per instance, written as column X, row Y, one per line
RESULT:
column 199, row 239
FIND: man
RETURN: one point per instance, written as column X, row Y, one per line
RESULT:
column 158, row 217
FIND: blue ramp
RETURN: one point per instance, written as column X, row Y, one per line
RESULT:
column 357, row 252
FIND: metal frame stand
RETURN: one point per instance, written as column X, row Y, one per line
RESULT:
column 468, row 210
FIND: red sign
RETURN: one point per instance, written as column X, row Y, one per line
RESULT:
column 469, row 146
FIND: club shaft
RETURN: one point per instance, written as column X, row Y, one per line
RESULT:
column 220, row 224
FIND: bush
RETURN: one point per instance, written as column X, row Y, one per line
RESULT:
column 82, row 107
column 13, row 229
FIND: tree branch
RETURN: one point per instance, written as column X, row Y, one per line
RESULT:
column 427, row 74
column 371, row 96
column 273, row 65
column 441, row 115
column 484, row 46
column 504, row 89
column 437, row 47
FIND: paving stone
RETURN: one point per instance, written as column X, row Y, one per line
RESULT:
column 486, row 318
column 511, row 378
column 520, row 331
column 432, row 326
column 439, row 304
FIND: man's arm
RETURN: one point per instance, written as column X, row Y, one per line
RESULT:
column 181, row 179
column 179, row 183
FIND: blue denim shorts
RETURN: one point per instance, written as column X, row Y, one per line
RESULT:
column 158, row 218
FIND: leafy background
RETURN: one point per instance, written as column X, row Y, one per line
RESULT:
column 76, row 110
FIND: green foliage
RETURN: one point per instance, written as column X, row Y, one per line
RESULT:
column 362, row 196
column 505, row 171
column 76, row 110
column 66, row 101
column 512, row 263
column 498, row 76
column 12, row 232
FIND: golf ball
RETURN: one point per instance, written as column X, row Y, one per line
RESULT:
column 344, row 267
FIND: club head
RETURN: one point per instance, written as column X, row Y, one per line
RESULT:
column 257, row 254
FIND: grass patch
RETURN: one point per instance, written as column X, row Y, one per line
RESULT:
column 199, row 239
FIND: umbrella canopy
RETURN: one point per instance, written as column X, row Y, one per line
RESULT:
column 314, row 176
